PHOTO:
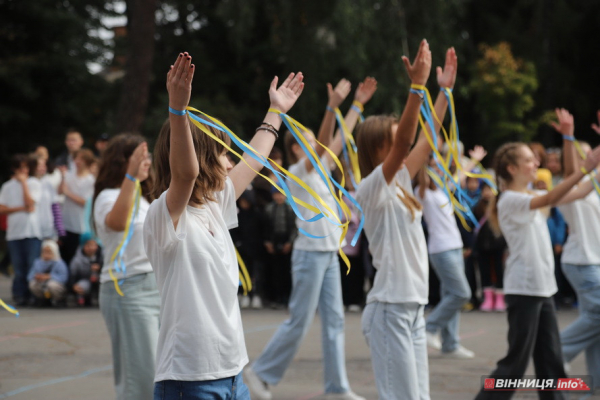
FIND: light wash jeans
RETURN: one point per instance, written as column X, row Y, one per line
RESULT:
column 132, row 322
column 449, row 266
column 395, row 333
column 316, row 283
column 584, row 333
column 232, row 388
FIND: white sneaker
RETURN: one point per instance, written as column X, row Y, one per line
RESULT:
column 245, row 302
column 354, row 308
column 259, row 390
column 567, row 367
column 256, row 303
column 459, row 353
column 433, row 341
column 349, row 395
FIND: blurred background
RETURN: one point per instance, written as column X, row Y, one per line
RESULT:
column 99, row 66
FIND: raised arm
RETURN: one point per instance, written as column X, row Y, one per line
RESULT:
column 554, row 196
column 363, row 94
column 446, row 79
column 335, row 97
column 566, row 127
column 282, row 99
column 407, row 127
column 116, row 219
column 183, row 160
column 477, row 154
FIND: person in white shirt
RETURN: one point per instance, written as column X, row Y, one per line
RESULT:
column 316, row 281
column 78, row 187
column 445, row 248
column 201, row 350
column 131, row 319
column 392, row 321
column 581, row 258
column 19, row 199
column 529, row 281
column 38, row 169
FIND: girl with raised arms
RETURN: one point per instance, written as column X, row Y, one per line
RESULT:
column 201, row 350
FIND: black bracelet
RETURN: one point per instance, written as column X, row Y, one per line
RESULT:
column 271, row 126
column 266, row 128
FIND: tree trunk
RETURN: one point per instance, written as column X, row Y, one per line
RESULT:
column 141, row 26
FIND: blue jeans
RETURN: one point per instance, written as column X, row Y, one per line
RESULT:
column 132, row 322
column 316, row 283
column 584, row 333
column 455, row 292
column 395, row 333
column 23, row 253
column 232, row 388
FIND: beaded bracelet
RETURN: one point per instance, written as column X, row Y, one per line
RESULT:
column 266, row 128
column 271, row 126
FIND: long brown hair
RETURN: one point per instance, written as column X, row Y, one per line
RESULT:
column 210, row 175
column 113, row 165
column 372, row 135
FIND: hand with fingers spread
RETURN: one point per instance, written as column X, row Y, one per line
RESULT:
column 284, row 97
column 596, row 127
column 365, row 90
column 421, row 67
column 137, row 160
column 565, row 125
column 478, row 153
column 447, row 77
column 339, row 94
column 179, row 82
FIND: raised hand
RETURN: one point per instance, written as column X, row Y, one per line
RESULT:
column 179, row 82
column 339, row 94
column 137, row 159
column 592, row 160
column 365, row 90
column 478, row 153
column 284, row 97
column 420, row 69
column 596, row 127
column 565, row 125
column 447, row 77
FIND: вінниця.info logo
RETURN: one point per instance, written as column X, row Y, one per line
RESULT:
column 576, row 383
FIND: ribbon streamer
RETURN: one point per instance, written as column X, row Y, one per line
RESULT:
column 593, row 174
column 117, row 256
column 9, row 308
column 349, row 149
column 245, row 280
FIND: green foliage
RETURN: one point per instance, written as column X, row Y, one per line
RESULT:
column 504, row 87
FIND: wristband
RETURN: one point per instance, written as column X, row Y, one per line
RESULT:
column 443, row 89
column 330, row 109
column 177, row 112
column 569, row 138
column 359, row 105
column 131, row 178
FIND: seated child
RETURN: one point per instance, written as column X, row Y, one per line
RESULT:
column 85, row 269
column 49, row 275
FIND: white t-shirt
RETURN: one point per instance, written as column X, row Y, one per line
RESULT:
column 201, row 335
column 396, row 241
column 22, row 224
column 441, row 225
column 73, row 213
column 44, row 208
column 530, row 265
column 134, row 257
column 322, row 227
column 583, row 243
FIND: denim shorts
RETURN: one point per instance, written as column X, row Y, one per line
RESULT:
column 232, row 388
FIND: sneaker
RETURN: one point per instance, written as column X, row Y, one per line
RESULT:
column 259, row 390
column 567, row 367
column 256, row 303
column 354, row 308
column 245, row 302
column 459, row 353
column 349, row 395
column 433, row 341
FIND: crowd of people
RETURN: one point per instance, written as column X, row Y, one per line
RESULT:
column 155, row 246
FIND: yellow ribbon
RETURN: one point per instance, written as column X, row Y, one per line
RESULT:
column 128, row 227
column 350, row 146
column 8, row 308
column 244, row 276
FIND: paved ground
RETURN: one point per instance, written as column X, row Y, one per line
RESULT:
column 65, row 354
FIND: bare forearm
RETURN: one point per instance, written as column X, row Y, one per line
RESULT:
column 4, row 210
column 116, row 219
column 556, row 194
column 570, row 157
column 182, row 156
column 29, row 202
